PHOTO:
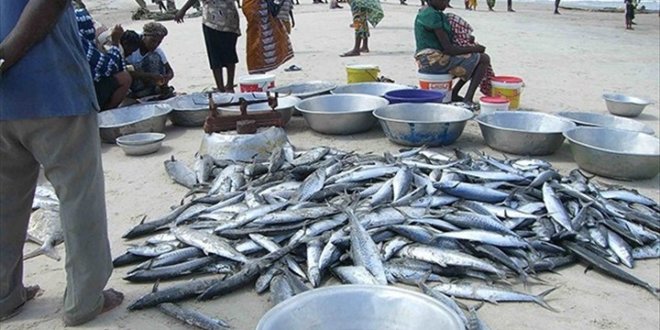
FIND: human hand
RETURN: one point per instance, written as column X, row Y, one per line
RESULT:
column 293, row 24
column 116, row 34
column 159, row 79
column 480, row 49
column 178, row 17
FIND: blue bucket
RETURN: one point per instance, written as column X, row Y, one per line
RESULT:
column 414, row 96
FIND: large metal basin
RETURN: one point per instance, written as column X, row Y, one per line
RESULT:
column 285, row 106
column 186, row 112
column 605, row 120
column 412, row 124
column 306, row 89
column 139, row 118
column 615, row 153
column 523, row 132
column 369, row 88
column 364, row 307
column 624, row 105
column 341, row 114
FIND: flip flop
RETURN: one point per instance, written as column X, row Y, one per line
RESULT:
column 293, row 68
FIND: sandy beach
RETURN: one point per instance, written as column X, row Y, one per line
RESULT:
column 567, row 62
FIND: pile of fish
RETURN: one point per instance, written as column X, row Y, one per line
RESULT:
column 463, row 226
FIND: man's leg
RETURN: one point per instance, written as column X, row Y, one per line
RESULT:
column 69, row 149
column 18, row 179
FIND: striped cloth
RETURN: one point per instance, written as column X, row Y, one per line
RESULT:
column 102, row 64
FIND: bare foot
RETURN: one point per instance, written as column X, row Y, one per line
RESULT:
column 364, row 50
column 111, row 299
column 351, row 53
column 30, row 293
column 511, row 10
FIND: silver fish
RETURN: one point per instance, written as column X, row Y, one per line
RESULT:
column 45, row 228
column 208, row 243
column 312, row 184
column 180, row 173
column 355, row 275
column 556, row 208
column 492, row 294
column 364, row 251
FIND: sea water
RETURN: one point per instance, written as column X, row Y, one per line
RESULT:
column 651, row 5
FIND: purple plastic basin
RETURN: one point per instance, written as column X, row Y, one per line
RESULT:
column 414, row 96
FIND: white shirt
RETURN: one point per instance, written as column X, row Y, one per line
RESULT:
column 137, row 57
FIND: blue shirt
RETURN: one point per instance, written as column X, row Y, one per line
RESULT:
column 53, row 79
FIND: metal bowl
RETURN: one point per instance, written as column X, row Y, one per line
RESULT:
column 615, row 153
column 140, row 138
column 341, row 114
column 414, row 124
column 605, row 120
column 523, row 132
column 285, row 106
column 306, row 89
column 187, row 110
column 138, row 118
column 623, row 105
column 365, row 307
column 370, row 88
column 140, row 149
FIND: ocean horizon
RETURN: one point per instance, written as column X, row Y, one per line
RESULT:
column 651, row 5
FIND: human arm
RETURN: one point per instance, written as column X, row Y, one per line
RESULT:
column 36, row 22
column 169, row 73
column 293, row 21
column 451, row 49
column 178, row 17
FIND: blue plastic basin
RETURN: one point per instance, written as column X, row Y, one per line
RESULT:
column 414, row 96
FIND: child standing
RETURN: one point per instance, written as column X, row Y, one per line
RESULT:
column 285, row 15
column 630, row 14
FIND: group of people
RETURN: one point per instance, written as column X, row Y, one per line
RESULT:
column 269, row 23
column 124, row 63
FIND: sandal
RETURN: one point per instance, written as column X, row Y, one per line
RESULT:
column 293, row 68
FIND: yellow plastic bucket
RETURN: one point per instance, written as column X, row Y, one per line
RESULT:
column 508, row 87
column 362, row 73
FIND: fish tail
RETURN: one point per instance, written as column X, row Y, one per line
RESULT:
column 539, row 299
column 46, row 250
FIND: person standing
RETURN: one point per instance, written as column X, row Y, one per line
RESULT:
column 267, row 45
column 630, row 14
column 364, row 12
column 61, row 134
column 221, row 28
column 286, row 15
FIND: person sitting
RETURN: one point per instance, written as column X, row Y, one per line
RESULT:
column 151, row 72
column 111, row 81
column 436, row 54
